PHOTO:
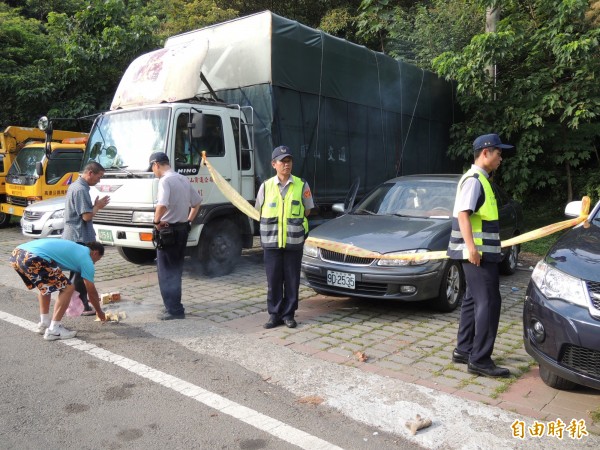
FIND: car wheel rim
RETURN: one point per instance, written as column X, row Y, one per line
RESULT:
column 453, row 285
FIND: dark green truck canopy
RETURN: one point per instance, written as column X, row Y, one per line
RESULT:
column 344, row 110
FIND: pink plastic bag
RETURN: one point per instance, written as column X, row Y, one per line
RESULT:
column 75, row 305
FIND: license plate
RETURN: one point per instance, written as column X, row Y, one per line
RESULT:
column 28, row 227
column 341, row 279
column 105, row 235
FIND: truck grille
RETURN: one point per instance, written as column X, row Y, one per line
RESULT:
column 31, row 215
column 113, row 217
column 594, row 291
column 582, row 360
column 17, row 201
column 328, row 255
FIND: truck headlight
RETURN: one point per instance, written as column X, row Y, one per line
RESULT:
column 556, row 284
column 311, row 250
column 142, row 217
column 60, row 214
column 403, row 262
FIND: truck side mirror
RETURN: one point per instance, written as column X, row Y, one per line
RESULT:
column 196, row 126
column 39, row 169
column 45, row 125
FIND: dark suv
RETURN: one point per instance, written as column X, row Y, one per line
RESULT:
column 561, row 317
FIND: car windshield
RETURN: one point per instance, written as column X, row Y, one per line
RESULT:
column 411, row 198
column 126, row 139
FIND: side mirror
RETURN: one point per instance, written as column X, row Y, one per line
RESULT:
column 39, row 169
column 573, row 209
column 45, row 125
column 196, row 126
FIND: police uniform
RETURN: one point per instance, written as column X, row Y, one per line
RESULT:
column 480, row 310
column 283, row 227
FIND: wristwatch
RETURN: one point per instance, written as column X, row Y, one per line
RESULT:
column 156, row 223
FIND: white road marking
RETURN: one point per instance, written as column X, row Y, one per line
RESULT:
column 247, row 415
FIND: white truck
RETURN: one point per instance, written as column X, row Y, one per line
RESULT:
column 237, row 90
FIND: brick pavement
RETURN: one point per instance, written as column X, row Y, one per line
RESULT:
column 409, row 342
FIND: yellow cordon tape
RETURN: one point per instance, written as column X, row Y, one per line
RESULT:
column 348, row 249
column 230, row 193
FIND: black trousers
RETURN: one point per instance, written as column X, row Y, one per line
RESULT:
column 480, row 312
column 169, row 265
column 282, row 268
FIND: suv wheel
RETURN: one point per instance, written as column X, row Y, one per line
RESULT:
column 554, row 381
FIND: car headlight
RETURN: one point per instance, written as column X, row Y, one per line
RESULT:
column 60, row 214
column 403, row 262
column 142, row 217
column 311, row 250
column 556, row 284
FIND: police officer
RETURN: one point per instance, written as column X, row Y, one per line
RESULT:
column 177, row 204
column 475, row 240
column 284, row 201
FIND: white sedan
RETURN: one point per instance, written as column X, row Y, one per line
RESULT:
column 44, row 219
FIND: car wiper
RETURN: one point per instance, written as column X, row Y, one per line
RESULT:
column 365, row 211
column 122, row 168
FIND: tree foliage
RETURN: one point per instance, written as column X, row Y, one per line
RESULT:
column 544, row 96
column 65, row 58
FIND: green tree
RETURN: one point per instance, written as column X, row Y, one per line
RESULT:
column 179, row 16
column 24, row 58
column 417, row 31
column 95, row 46
column 544, row 96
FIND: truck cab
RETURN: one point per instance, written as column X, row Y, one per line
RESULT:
column 43, row 170
column 23, row 163
column 122, row 142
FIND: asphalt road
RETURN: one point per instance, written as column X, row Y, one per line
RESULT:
column 117, row 386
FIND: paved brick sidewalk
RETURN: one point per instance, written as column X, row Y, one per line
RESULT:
column 405, row 341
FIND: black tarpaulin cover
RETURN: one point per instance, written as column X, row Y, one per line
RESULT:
column 344, row 110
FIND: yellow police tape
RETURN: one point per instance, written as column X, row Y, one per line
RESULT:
column 348, row 249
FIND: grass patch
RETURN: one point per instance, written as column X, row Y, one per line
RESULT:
column 595, row 415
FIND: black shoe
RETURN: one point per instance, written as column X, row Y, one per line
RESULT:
column 459, row 357
column 290, row 323
column 492, row 371
column 272, row 323
column 169, row 316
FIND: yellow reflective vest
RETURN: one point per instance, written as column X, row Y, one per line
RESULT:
column 282, row 220
column 484, row 224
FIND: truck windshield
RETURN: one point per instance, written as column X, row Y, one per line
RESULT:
column 126, row 139
column 24, row 163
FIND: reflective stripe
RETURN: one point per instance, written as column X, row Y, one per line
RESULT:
column 458, row 235
column 482, row 248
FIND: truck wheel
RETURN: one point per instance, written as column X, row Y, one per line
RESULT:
column 137, row 255
column 4, row 219
column 508, row 265
column 554, row 381
column 452, row 288
column 220, row 248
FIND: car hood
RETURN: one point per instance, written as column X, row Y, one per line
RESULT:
column 577, row 253
column 50, row 204
column 386, row 234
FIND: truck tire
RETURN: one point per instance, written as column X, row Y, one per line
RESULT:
column 508, row 265
column 137, row 255
column 220, row 248
column 452, row 288
column 554, row 381
column 4, row 219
